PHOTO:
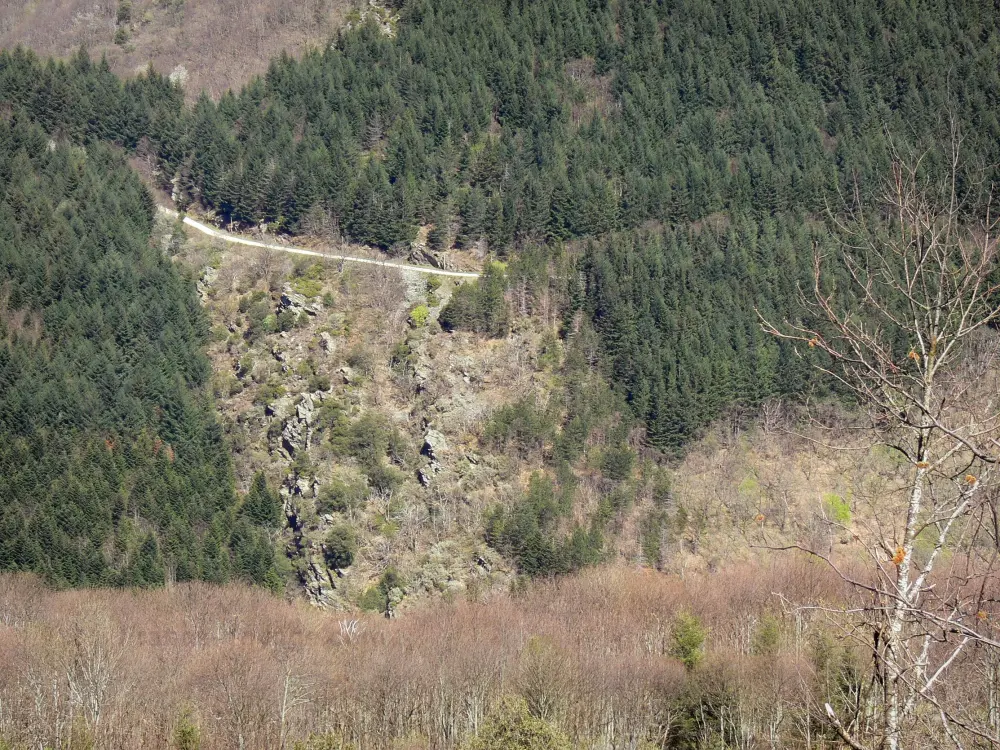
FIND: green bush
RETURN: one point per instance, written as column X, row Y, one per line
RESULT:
column 187, row 735
column 401, row 358
column 340, row 547
column 837, row 509
column 377, row 598
column 616, row 463
column 319, row 382
column 269, row 392
column 383, row 478
column 307, row 287
column 360, row 359
column 767, row 636
column 419, row 315
column 512, row 727
column 687, row 638
column 124, row 14
column 340, row 497
column 286, row 320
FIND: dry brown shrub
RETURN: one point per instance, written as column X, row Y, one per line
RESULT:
column 589, row 652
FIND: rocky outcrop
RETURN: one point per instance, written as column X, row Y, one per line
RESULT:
column 434, row 447
column 296, row 418
column 209, row 275
column 319, row 583
column 424, row 256
column 296, row 435
column 299, row 303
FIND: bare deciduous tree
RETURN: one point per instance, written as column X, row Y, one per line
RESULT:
column 911, row 341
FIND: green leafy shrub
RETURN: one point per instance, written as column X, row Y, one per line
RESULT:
column 419, row 315
column 340, row 497
column 340, row 546
column 837, row 509
column 378, row 598
column 511, row 726
column 187, row 734
column 361, row 359
column 319, row 382
column 269, row 392
column 307, row 287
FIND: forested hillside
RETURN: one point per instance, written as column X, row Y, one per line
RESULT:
column 736, row 297
column 691, row 146
column 113, row 466
column 507, row 124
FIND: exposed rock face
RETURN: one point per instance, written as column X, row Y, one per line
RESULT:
column 296, row 434
column 280, row 407
column 209, row 275
column 298, row 303
column 319, row 584
column 435, row 444
column 423, row 255
column 326, row 342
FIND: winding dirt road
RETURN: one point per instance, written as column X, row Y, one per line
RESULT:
column 226, row 237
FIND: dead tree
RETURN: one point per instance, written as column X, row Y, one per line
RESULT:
column 912, row 341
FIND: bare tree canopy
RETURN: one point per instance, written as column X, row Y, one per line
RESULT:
column 912, row 341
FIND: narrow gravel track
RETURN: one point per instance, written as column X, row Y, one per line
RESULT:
column 204, row 229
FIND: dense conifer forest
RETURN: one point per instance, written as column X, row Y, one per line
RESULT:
column 675, row 159
column 113, row 466
column 729, row 126
column 685, row 212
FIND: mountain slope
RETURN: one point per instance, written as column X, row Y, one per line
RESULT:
column 113, row 463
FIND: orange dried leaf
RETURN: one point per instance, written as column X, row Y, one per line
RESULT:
column 897, row 559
